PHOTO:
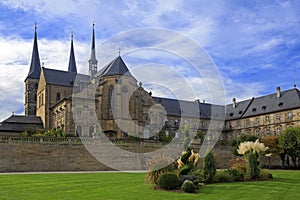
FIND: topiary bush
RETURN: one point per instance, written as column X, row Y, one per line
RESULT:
column 252, row 170
column 209, row 167
column 189, row 187
column 192, row 178
column 223, row 176
column 168, row 181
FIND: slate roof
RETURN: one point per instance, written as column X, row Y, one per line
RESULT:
column 19, row 123
column 191, row 108
column 35, row 65
column 288, row 99
column 62, row 78
column 115, row 67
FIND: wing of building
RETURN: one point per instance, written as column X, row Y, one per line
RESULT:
column 110, row 101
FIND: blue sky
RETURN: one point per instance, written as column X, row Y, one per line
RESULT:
column 254, row 44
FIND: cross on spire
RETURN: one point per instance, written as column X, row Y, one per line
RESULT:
column 119, row 49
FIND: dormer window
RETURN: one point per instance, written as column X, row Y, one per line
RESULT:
column 280, row 104
column 240, row 112
column 254, row 110
column 263, row 107
column 231, row 114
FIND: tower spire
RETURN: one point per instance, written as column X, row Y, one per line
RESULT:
column 72, row 62
column 35, row 65
column 93, row 60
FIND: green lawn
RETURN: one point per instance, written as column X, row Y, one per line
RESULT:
column 285, row 185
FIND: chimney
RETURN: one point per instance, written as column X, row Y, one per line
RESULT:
column 234, row 102
column 278, row 92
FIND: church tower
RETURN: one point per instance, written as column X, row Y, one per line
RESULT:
column 32, row 79
column 72, row 63
column 93, row 61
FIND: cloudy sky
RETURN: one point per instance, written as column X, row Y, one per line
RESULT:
column 246, row 47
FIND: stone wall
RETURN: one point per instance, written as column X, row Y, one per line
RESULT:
column 26, row 156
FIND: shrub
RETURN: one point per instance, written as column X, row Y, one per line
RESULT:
column 223, row 176
column 189, row 187
column 158, row 166
column 239, row 164
column 252, row 170
column 168, row 181
column 209, row 167
column 192, row 178
column 200, row 176
column 185, row 170
column 236, row 174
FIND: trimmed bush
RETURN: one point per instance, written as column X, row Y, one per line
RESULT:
column 189, row 187
column 252, row 170
column 237, row 175
column 223, row 176
column 209, row 167
column 192, row 178
column 168, row 181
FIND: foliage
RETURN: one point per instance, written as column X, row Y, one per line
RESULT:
column 236, row 174
column 157, row 166
column 263, row 174
column 166, row 139
column 185, row 170
column 290, row 141
column 201, row 136
column 199, row 174
column 189, row 187
column 223, row 176
column 168, row 181
column 252, row 169
column 192, row 178
column 249, row 146
column 239, row 164
column 209, row 167
column 274, row 148
column 242, row 138
column 186, row 139
column 187, row 161
column 37, row 132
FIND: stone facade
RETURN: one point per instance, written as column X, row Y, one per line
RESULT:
column 31, row 87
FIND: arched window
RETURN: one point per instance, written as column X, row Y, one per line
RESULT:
column 91, row 131
column 78, row 131
column 110, row 93
column 57, row 96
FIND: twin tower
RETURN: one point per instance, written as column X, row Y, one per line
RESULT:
column 33, row 77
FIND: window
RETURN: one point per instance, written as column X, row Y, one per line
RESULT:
column 91, row 131
column 254, row 110
column 278, row 117
column 257, row 121
column 278, row 130
column 290, row 115
column 110, row 93
column 42, row 100
column 91, row 113
column 263, row 107
column 257, row 132
column 57, row 96
column 203, row 124
column 238, row 123
column 267, row 118
column 39, row 103
column 267, row 131
column 78, row 131
column 247, row 122
column 78, row 112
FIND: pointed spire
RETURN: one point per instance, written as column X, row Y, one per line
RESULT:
column 35, row 65
column 72, row 62
column 93, row 60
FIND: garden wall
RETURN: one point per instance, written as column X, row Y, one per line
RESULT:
column 40, row 155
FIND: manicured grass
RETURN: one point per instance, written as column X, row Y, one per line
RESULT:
column 285, row 185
